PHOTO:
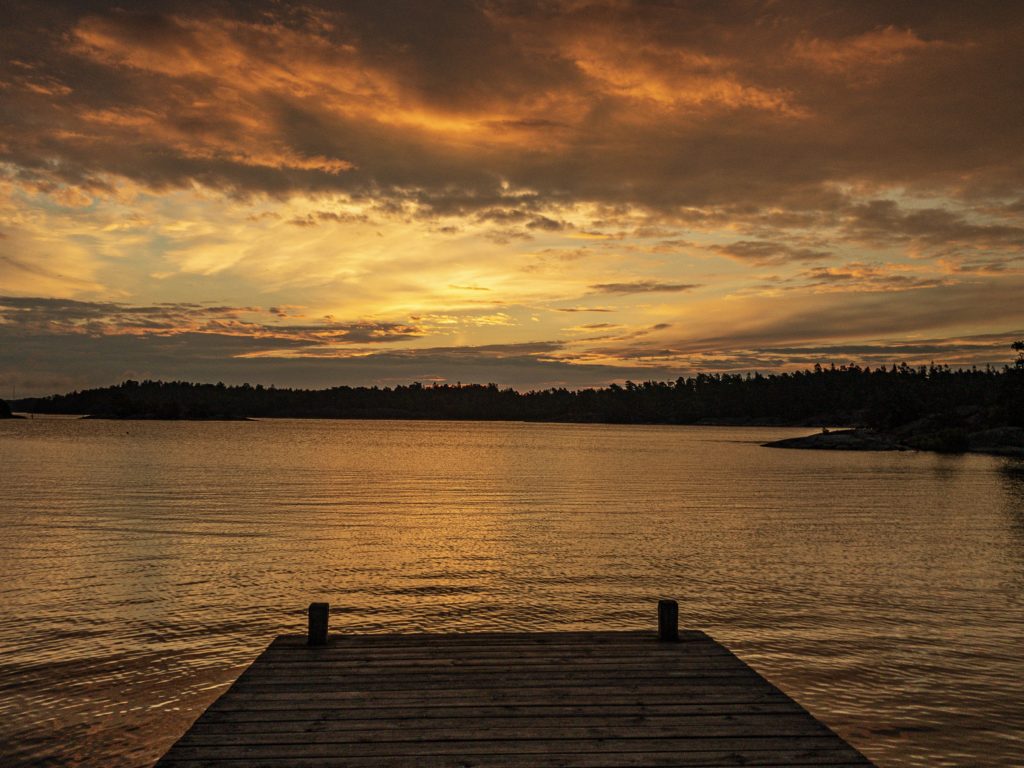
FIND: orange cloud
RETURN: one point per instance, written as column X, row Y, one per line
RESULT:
column 877, row 48
column 385, row 167
column 673, row 79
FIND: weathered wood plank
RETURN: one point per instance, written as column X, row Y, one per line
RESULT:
column 567, row 695
column 576, row 700
column 517, row 746
column 511, row 660
column 535, row 665
column 505, row 657
column 418, row 731
column 556, row 694
column 492, row 640
column 423, row 643
column 550, row 677
column 848, row 758
column 331, row 654
column 470, row 727
column 359, row 721
column 429, row 710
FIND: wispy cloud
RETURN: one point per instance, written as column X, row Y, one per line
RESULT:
column 643, row 286
column 763, row 252
column 21, row 315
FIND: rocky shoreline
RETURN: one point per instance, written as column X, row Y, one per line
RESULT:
column 996, row 441
column 5, row 412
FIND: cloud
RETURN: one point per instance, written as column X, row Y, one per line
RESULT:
column 858, row 276
column 954, row 309
column 992, row 266
column 546, row 224
column 642, row 286
column 427, row 176
column 858, row 54
column 66, row 317
column 885, row 221
column 763, row 252
column 16, row 272
column 318, row 217
column 102, row 360
column 594, row 326
column 611, row 102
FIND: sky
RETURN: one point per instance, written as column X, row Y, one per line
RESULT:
column 533, row 194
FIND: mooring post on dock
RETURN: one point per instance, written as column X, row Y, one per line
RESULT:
column 318, row 614
column 668, row 620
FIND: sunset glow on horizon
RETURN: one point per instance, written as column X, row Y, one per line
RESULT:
column 531, row 194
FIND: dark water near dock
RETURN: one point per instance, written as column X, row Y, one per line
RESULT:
column 145, row 564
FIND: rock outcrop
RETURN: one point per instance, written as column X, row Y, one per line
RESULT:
column 924, row 435
column 5, row 411
column 840, row 440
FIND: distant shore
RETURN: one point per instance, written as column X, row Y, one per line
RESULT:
column 927, row 408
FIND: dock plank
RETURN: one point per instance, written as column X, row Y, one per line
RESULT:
column 573, row 700
column 470, row 720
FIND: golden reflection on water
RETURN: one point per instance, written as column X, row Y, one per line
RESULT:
column 148, row 563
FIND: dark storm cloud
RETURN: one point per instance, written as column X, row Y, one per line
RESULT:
column 737, row 103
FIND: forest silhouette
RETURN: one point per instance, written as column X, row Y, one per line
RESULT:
column 882, row 399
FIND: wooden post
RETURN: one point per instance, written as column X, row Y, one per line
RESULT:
column 668, row 620
column 318, row 613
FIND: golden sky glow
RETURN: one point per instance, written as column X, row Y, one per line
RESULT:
column 530, row 194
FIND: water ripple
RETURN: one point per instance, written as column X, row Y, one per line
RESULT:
column 143, row 572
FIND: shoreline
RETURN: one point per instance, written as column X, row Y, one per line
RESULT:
column 998, row 441
column 1001, row 441
column 766, row 423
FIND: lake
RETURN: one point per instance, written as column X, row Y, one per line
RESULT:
column 145, row 564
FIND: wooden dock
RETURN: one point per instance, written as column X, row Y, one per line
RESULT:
column 570, row 699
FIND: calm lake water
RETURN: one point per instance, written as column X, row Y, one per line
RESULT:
column 146, row 564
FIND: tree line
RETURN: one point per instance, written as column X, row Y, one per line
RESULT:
column 881, row 398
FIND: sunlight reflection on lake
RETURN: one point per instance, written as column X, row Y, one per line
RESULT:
column 147, row 563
